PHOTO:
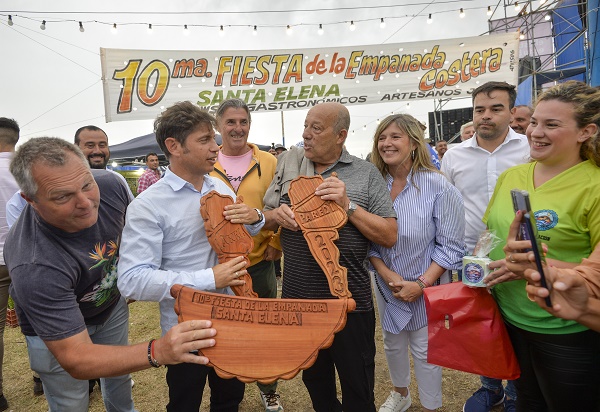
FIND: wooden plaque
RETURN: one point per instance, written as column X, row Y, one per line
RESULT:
column 320, row 220
column 263, row 339
column 229, row 240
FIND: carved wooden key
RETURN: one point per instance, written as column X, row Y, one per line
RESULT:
column 284, row 336
column 229, row 240
column 320, row 220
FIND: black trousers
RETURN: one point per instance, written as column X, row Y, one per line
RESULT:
column 186, row 383
column 353, row 355
column 558, row 372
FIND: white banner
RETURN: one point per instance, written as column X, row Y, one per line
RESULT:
column 139, row 84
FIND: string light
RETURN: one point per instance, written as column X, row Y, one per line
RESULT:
column 254, row 31
column 186, row 31
column 547, row 17
column 320, row 31
column 522, row 36
column 221, row 31
column 289, row 30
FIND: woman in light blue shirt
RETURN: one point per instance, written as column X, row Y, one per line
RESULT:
column 431, row 231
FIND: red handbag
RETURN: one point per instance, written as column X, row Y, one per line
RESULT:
column 466, row 332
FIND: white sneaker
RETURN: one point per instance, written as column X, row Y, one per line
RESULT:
column 271, row 401
column 396, row 403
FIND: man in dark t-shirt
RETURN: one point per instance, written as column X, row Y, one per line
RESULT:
column 62, row 255
column 361, row 191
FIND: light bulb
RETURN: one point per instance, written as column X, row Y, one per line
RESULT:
column 462, row 13
column 150, row 29
column 352, row 26
column 114, row 28
column 186, row 31
column 429, row 19
column 382, row 24
column 43, row 25
column 489, row 12
column 547, row 17
column 81, row 29
column 221, row 31
column 10, row 22
column 289, row 30
column 320, row 31
column 516, row 6
column 254, row 31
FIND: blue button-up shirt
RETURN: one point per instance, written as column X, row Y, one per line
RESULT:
column 431, row 228
column 164, row 243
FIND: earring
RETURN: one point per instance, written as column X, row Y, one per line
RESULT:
column 412, row 155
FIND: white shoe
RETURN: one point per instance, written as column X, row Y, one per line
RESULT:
column 271, row 401
column 396, row 403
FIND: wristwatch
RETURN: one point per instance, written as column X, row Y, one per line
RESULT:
column 351, row 208
column 260, row 217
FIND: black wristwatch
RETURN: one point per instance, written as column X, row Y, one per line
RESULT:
column 260, row 217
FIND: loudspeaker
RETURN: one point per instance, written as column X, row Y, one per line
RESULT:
column 448, row 122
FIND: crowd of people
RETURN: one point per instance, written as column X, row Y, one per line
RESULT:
column 80, row 247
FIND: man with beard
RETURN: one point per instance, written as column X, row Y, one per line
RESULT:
column 521, row 118
column 441, row 147
column 473, row 167
column 93, row 142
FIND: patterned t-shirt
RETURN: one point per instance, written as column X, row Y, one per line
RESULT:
column 62, row 281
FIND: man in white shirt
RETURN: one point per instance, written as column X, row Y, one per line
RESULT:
column 9, row 136
column 473, row 167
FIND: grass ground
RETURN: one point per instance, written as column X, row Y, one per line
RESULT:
column 150, row 391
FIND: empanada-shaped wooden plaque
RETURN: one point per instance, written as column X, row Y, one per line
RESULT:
column 229, row 240
column 263, row 339
column 320, row 220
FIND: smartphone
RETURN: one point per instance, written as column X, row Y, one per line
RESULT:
column 528, row 231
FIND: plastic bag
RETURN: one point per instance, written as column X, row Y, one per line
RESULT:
column 466, row 332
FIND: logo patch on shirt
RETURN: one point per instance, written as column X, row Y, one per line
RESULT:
column 546, row 219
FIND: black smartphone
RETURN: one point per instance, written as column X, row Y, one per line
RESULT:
column 528, row 231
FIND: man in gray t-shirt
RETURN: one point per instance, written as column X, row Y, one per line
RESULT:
column 62, row 255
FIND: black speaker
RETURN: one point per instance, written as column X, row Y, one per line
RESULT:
column 447, row 123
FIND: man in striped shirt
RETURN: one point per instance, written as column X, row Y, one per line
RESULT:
column 359, row 189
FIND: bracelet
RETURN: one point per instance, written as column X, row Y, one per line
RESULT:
column 422, row 279
column 421, row 284
column 153, row 362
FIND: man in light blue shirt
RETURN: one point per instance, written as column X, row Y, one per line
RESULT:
column 165, row 243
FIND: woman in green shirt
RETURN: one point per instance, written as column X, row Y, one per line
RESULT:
column 560, row 359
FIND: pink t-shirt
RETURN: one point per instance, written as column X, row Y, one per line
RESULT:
column 235, row 167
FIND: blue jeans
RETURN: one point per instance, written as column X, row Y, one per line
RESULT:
column 65, row 393
column 496, row 384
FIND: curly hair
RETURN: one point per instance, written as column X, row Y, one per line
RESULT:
column 178, row 121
